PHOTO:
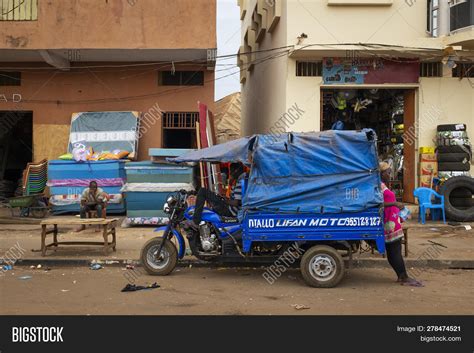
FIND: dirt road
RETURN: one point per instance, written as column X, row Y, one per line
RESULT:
column 70, row 290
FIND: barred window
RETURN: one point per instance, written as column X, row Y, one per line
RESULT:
column 431, row 69
column 180, row 120
column 18, row 10
column 309, row 68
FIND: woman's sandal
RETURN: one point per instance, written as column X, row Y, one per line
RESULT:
column 411, row 282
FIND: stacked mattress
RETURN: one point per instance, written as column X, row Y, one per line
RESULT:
column 106, row 131
column 149, row 185
column 68, row 179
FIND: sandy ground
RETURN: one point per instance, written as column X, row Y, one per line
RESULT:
column 454, row 243
column 71, row 290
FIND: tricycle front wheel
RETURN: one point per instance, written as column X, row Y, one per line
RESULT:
column 162, row 264
column 322, row 266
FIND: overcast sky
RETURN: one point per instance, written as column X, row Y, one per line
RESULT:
column 228, row 42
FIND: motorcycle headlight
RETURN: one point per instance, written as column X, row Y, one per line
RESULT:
column 171, row 201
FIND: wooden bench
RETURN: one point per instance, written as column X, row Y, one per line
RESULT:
column 108, row 228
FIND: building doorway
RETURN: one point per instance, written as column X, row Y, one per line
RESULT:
column 391, row 114
column 16, row 149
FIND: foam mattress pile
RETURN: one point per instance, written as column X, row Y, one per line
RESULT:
column 148, row 186
column 68, row 179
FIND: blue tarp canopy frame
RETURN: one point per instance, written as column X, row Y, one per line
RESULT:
column 318, row 172
column 232, row 151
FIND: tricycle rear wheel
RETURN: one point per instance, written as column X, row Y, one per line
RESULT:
column 322, row 266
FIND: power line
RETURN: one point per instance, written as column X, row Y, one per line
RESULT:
column 156, row 94
column 223, row 57
column 179, row 89
column 169, row 62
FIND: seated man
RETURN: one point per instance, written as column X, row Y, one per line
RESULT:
column 224, row 207
column 93, row 198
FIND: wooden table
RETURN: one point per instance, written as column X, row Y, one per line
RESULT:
column 107, row 224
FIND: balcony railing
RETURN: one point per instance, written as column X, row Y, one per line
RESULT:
column 461, row 15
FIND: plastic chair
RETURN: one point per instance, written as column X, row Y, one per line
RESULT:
column 425, row 198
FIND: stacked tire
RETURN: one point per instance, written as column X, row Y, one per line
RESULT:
column 458, row 198
column 454, row 154
column 454, row 151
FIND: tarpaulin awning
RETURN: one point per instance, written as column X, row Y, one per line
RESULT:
column 232, row 151
column 318, row 172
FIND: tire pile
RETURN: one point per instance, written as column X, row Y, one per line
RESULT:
column 454, row 154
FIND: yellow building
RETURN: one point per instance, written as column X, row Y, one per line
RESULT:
column 303, row 60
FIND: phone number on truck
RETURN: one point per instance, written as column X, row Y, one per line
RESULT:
column 314, row 222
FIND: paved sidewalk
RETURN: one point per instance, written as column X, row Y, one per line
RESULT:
column 434, row 245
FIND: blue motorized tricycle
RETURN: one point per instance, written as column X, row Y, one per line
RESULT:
column 310, row 197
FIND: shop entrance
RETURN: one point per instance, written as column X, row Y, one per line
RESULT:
column 16, row 149
column 391, row 113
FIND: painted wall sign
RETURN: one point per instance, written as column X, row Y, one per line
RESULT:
column 377, row 71
column 15, row 98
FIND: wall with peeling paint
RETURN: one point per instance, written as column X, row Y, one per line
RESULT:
column 53, row 95
column 82, row 24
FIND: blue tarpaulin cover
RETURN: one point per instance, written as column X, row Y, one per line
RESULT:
column 318, row 172
column 233, row 151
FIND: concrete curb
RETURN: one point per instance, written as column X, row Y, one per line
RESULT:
column 357, row 263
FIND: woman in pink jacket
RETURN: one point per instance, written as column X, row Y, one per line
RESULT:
column 393, row 229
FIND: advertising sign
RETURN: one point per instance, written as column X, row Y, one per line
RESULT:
column 369, row 71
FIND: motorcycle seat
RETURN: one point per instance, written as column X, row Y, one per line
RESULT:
column 225, row 219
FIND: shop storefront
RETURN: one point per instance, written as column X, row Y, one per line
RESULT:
column 379, row 94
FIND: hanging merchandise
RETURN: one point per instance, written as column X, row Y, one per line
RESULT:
column 398, row 107
column 348, row 94
column 372, row 93
column 338, row 125
column 340, row 103
column 361, row 104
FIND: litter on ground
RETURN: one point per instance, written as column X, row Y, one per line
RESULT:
column 95, row 266
column 133, row 288
column 300, row 306
column 25, row 278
